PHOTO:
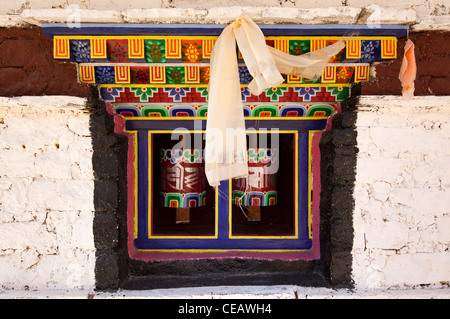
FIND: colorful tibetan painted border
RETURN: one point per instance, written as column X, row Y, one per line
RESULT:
column 197, row 49
column 178, row 74
column 176, row 94
column 301, row 109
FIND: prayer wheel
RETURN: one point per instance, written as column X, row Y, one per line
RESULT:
column 183, row 181
column 261, row 189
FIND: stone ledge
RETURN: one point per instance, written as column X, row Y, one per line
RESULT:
column 389, row 103
column 48, row 102
column 239, row 292
column 218, row 15
column 433, row 23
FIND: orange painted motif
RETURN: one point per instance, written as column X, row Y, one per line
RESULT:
column 192, row 75
column 158, row 74
column 362, row 73
column 207, row 47
column 87, row 74
column 122, row 74
column 317, row 44
column 388, row 48
column 173, row 48
column 294, row 79
column 136, row 50
column 353, row 49
column 329, row 75
column 61, row 49
column 98, row 49
column 282, row 45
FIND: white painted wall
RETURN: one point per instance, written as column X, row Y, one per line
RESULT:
column 402, row 200
column 46, row 194
column 420, row 14
column 402, row 193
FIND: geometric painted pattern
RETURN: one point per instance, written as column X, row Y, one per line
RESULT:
column 181, row 74
column 197, row 49
column 171, row 73
column 313, row 109
column 175, row 94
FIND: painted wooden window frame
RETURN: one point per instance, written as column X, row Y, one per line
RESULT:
column 301, row 245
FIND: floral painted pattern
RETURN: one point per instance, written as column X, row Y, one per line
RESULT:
column 191, row 51
column 155, row 51
column 81, row 51
column 144, row 93
column 299, row 47
column 344, row 74
column 245, row 93
column 203, row 92
column 118, row 50
column 104, row 75
column 369, row 49
column 244, row 75
column 204, row 75
column 110, row 93
column 140, row 75
column 175, row 75
column 275, row 92
column 340, row 92
column 177, row 93
column 306, row 92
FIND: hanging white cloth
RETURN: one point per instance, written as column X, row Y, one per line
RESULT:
column 226, row 149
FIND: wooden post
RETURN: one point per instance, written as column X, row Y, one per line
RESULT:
column 254, row 213
column 182, row 215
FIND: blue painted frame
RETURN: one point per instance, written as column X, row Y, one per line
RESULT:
column 223, row 240
column 92, row 29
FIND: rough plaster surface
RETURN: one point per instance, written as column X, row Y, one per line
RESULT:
column 46, row 194
column 421, row 14
column 402, row 199
column 228, row 292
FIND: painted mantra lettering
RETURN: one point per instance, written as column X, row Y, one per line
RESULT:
column 179, row 177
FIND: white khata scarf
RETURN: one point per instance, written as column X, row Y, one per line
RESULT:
column 226, row 149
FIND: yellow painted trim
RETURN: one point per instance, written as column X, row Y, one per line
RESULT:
column 126, row 37
column 134, row 133
column 296, row 212
column 324, row 37
column 102, row 53
column 136, row 48
column 206, row 85
column 63, row 44
column 86, row 74
column 197, row 37
column 149, row 183
column 122, row 74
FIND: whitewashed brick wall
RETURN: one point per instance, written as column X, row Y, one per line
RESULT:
column 46, row 194
column 402, row 201
column 420, row 14
column 402, row 197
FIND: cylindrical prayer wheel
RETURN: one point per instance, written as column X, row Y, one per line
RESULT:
column 183, row 180
column 262, row 179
